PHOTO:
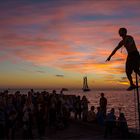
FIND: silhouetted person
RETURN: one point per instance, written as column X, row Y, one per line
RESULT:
column 100, row 117
column 40, row 115
column 122, row 125
column 110, row 123
column 91, row 116
column 12, row 119
column 133, row 58
column 84, row 104
column 52, row 117
column 2, row 119
column 78, row 109
column 103, row 104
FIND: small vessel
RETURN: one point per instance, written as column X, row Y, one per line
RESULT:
column 64, row 89
column 85, row 85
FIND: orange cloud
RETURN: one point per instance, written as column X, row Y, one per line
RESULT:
column 73, row 36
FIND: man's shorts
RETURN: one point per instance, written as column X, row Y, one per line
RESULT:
column 133, row 62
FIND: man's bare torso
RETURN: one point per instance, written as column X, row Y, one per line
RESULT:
column 129, row 43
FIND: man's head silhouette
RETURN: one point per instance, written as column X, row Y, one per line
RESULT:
column 122, row 32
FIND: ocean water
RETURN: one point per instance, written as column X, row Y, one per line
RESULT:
column 116, row 99
column 126, row 100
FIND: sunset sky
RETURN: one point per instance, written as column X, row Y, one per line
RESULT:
column 54, row 43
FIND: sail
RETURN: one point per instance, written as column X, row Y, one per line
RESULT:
column 85, row 85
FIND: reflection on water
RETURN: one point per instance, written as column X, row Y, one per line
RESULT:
column 117, row 99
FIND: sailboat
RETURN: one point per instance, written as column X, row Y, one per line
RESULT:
column 85, row 85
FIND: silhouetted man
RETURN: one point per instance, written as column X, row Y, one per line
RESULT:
column 103, row 104
column 133, row 58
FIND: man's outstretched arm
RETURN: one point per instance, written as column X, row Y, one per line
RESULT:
column 114, row 51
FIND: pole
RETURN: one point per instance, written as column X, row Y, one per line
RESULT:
column 138, row 101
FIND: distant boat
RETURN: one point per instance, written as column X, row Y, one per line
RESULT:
column 85, row 85
column 64, row 89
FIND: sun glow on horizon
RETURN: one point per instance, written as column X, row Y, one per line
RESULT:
column 54, row 44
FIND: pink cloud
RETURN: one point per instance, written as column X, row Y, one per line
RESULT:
column 64, row 42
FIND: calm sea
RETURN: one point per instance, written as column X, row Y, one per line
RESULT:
column 116, row 99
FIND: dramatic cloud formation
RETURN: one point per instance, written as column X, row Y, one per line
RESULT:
column 68, row 36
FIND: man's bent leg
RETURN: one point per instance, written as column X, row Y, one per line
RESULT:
column 130, row 78
column 137, row 70
column 129, row 70
column 137, row 66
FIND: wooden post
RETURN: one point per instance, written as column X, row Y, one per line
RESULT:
column 138, row 101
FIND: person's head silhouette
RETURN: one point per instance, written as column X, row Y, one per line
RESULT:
column 102, row 94
column 122, row 32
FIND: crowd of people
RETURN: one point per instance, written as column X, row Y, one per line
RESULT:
column 53, row 111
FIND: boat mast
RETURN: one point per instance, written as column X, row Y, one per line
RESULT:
column 83, row 82
column 85, row 85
